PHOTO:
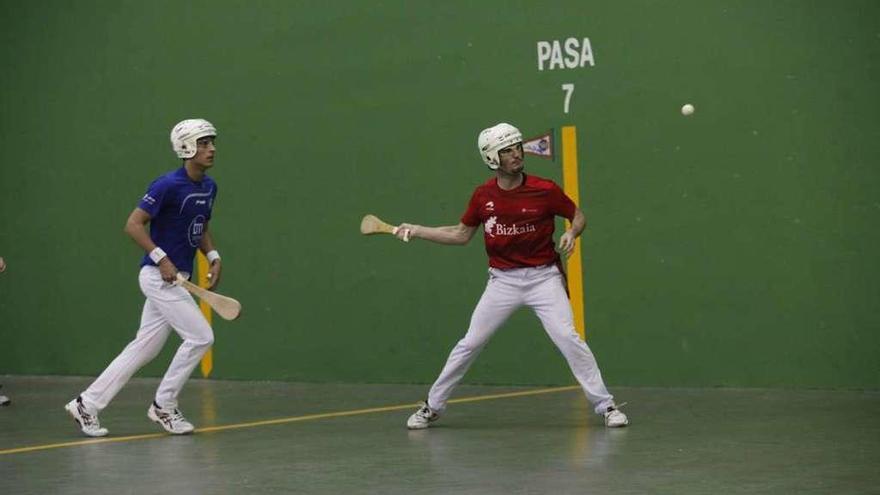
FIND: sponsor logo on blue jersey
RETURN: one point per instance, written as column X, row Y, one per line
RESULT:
column 196, row 230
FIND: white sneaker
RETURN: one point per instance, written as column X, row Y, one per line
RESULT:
column 614, row 417
column 172, row 420
column 422, row 418
column 4, row 401
column 87, row 422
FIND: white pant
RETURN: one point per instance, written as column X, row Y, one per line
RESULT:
column 166, row 306
column 542, row 290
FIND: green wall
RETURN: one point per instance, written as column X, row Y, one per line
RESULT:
column 734, row 247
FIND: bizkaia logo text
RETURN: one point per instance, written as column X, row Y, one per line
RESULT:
column 493, row 228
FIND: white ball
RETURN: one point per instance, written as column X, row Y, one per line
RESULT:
column 687, row 109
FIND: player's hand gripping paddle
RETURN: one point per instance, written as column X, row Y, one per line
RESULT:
column 371, row 224
column 227, row 307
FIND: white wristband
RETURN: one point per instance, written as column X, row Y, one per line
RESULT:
column 157, row 254
column 212, row 256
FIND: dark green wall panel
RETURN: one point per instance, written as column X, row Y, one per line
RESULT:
column 734, row 247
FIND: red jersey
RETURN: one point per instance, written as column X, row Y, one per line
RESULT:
column 518, row 224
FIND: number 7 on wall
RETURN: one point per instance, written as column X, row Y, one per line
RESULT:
column 569, row 89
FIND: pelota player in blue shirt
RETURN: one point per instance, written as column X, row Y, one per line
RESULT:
column 177, row 206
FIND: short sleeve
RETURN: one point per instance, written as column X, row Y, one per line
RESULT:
column 561, row 204
column 155, row 196
column 471, row 216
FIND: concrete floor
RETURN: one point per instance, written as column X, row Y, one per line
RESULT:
column 269, row 437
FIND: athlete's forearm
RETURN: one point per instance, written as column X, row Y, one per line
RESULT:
column 451, row 234
column 206, row 245
column 138, row 232
column 578, row 222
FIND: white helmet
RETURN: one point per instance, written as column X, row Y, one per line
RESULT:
column 186, row 133
column 494, row 139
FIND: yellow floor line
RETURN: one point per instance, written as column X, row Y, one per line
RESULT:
column 293, row 419
column 81, row 442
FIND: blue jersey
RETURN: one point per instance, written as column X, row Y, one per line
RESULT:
column 179, row 209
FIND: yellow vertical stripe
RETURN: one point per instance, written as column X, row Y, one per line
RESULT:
column 574, row 267
column 208, row 359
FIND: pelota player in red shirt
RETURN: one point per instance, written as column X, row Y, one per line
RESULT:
column 518, row 213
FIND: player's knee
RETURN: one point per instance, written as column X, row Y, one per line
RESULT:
column 468, row 346
column 208, row 341
column 203, row 341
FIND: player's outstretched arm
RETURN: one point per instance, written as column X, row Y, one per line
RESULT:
column 451, row 234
